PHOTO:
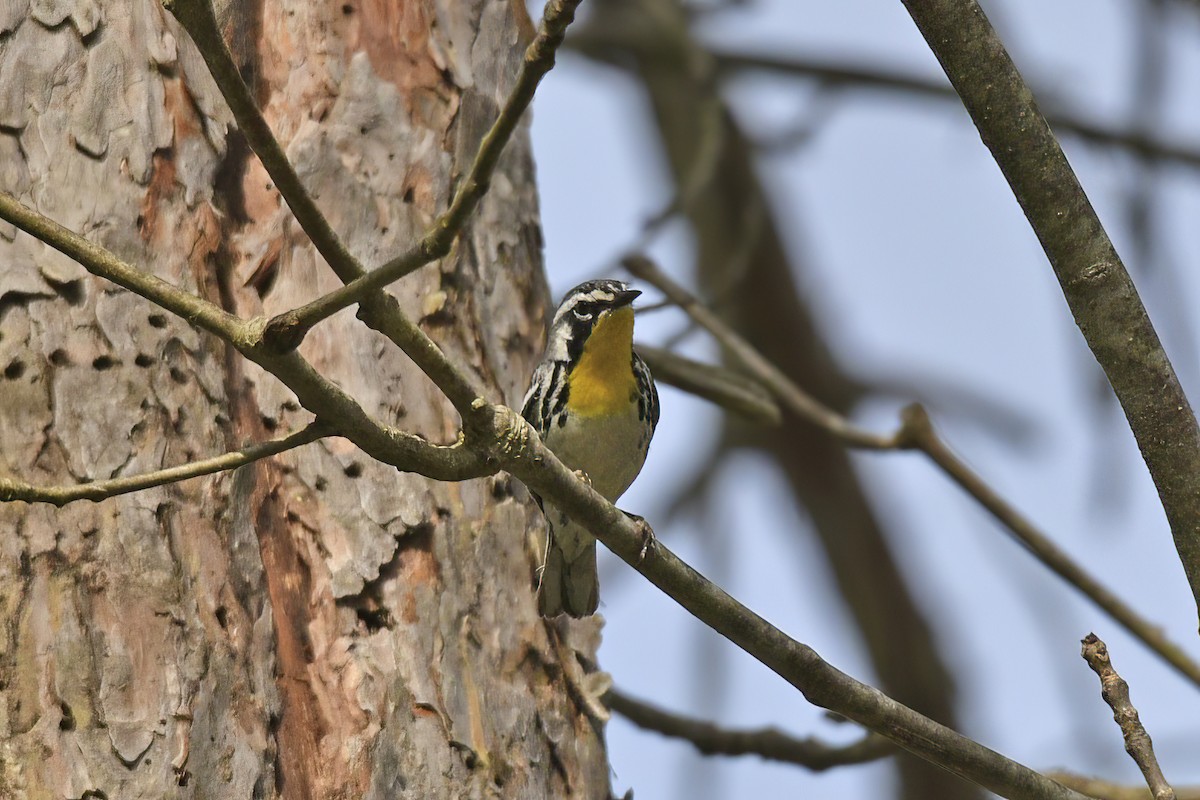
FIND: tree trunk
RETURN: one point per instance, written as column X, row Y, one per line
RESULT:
column 316, row 626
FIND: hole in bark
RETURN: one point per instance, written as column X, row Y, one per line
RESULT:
column 158, row 321
column 408, row 195
column 269, row 422
column 102, row 363
column 353, row 470
column 502, row 488
column 143, row 360
column 222, row 615
column 59, row 358
column 374, row 618
column 15, row 369
column 320, row 484
column 93, row 36
column 182, row 777
column 230, row 194
column 289, row 405
column 71, row 291
column 347, row 9
column 67, row 723
column 178, row 375
column 93, row 794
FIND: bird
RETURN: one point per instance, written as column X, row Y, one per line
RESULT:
column 593, row 402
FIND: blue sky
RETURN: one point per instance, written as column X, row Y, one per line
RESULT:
column 924, row 272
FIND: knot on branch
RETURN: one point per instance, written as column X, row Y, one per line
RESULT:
column 915, row 427
column 498, row 433
column 284, row 333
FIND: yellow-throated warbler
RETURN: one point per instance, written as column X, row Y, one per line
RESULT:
column 593, row 402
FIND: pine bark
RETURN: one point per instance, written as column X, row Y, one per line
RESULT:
column 317, row 625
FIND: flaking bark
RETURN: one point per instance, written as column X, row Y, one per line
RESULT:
column 319, row 625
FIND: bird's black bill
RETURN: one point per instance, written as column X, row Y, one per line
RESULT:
column 625, row 297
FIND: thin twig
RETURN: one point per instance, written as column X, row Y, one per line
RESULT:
column 1108, row 790
column 769, row 743
column 1094, row 281
column 290, row 327
column 733, row 391
column 96, row 491
column 920, row 432
column 798, row 401
column 844, row 75
column 798, row 664
column 917, row 432
column 315, row 392
column 380, row 312
column 500, row 439
column 1115, row 692
column 99, row 261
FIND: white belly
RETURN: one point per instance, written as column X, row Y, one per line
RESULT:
column 611, row 450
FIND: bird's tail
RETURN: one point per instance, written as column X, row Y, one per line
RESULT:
column 569, row 586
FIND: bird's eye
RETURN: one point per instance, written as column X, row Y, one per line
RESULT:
column 583, row 311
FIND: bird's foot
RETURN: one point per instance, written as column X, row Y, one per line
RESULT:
column 645, row 533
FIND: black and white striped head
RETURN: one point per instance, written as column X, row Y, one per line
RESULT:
column 578, row 313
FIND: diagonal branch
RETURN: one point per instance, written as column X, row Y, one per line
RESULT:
column 99, row 261
column 1115, row 692
column 96, row 491
column 316, row 393
column 769, row 743
column 841, row 74
column 917, row 432
column 380, row 312
column 1108, row 790
column 290, row 327
column 723, row 387
column 820, row 683
column 1096, row 285
column 377, row 310
column 923, row 436
column 500, row 439
column 798, row 401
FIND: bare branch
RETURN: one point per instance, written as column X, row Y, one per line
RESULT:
column 502, row 440
column 96, row 491
column 920, row 432
column 769, row 743
column 290, row 327
column 99, row 261
column 1096, row 285
column 738, row 393
column 844, row 75
column 917, row 432
column 1115, row 692
column 821, row 683
column 797, row 401
column 315, row 392
column 1107, row 790
column 378, row 311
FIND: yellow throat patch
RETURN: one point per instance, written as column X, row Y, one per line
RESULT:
column 603, row 380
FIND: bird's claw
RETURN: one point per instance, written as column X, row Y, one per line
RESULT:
column 645, row 533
